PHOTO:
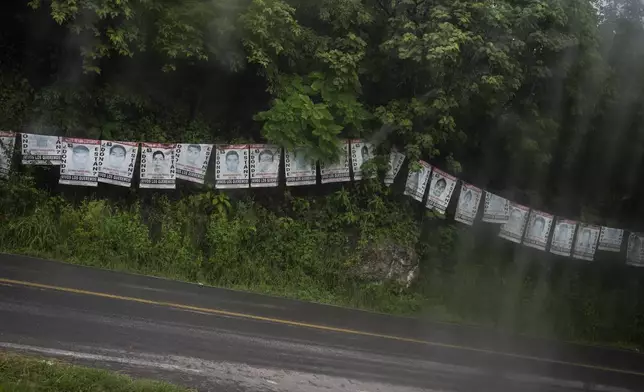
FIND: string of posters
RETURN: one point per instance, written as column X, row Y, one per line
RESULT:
column 88, row 162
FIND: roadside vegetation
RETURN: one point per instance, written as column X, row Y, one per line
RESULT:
column 539, row 101
column 19, row 373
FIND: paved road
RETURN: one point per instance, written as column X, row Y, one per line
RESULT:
column 222, row 340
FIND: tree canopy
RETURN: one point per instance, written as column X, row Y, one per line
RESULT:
column 539, row 99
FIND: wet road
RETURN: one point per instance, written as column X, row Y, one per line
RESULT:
column 222, row 340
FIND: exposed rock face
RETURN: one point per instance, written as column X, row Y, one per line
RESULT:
column 388, row 262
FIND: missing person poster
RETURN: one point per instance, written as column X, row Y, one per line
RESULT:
column 79, row 162
column 635, row 250
column 299, row 168
column 192, row 161
column 536, row 235
column 610, row 239
column 41, row 149
column 116, row 162
column 496, row 209
column 337, row 171
column 7, row 144
column 561, row 243
column 396, row 160
column 361, row 152
column 417, row 181
column 586, row 242
column 264, row 165
column 512, row 230
column 468, row 204
column 158, row 166
column 232, row 166
column 441, row 188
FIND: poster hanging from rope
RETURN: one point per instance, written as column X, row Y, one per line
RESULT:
column 396, row 160
column 299, row 169
column 41, row 149
column 361, row 152
column 468, row 204
column 610, row 239
column 116, row 162
column 417, row 181
column 536, row 235
column 562, row 238
column 264, row 165
column 192, row 161
column 79, row 162
column 586, row 242
column 635, row 251
column 441, row 188
column 7, row 145
column 158, row 166
column 513, row 229
column 337, row 171
column 232, row 166
column 496, row 209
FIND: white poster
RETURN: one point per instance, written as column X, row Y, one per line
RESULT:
column 610, row 239
column 468, row 204
column 361, row 152
column 192, row 161
column 41, row 149
column 299, row 168
column 264, row 165
column 79, row 162
column 561, row 243
column 337, row 171
column 586, row 242
column 7, row 144
column 116, row 162
column 513, row 229
column 157, row 166
column 635, row 251
column 536, row 235
column 496, row 210
column 232, row 166
column 396, row 160
column 441, row 188
column 417, row 181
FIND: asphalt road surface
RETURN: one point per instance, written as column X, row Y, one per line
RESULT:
column 222, row 340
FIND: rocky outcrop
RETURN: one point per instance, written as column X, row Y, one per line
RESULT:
column 388, row 261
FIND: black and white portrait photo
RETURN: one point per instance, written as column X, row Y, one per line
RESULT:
column 158, row 166
column 79, row 165
column 41, row 149
column 232, row 166
column 468, row 204
column 513, row 229
column 192, row 161
column 635, row 250
column 496, row 209
column 265, row 164
column 586, row 242
column 417, row 181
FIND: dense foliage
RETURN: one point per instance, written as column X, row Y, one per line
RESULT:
column 538, row 100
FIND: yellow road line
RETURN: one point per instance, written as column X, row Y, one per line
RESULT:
column 313, row 326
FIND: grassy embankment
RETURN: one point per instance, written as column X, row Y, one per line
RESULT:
column 308, row 247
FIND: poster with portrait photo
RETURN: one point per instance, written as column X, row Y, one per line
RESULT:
column 116, row 162
column 610, row 239
column 538, row 230
column 337, row 171
column 192, row 161
column 586, row 242
column 158, row 168
column 417, row 181
column 441, row 188
column 468, row 204
column 79, row 162
column 41, row 149
column 299, row 168
column 562, row 238
column 635, row 250
column 231, row 165
column 496, row 209
column 361, row 152
column 264, row 165
column 7, row 145
column 513, row 229
column 396, row 160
